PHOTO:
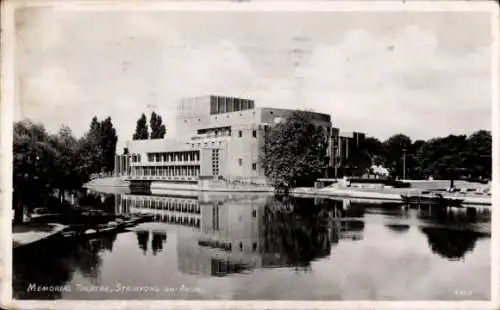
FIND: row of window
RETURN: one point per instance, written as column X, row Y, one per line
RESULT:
column 174, row 156
column 179, row 220
column 189, row 171
column 215, row 162
column 136, row 158
column 229, row 104
column 170, row 205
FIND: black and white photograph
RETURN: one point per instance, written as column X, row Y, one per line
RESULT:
column 250, row 151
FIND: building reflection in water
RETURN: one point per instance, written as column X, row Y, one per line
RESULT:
column 235, row 233
column 238, row 233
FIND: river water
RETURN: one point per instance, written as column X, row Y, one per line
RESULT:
column 258, row 247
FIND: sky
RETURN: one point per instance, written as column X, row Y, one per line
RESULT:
column 424, row 74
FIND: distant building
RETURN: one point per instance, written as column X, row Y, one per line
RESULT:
column 218, row 137
column 343, row 146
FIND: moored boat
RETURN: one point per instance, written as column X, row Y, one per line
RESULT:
column 432, row 198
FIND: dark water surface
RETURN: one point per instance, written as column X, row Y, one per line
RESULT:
column 258, row 247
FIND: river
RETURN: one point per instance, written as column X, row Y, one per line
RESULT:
column 258, row 247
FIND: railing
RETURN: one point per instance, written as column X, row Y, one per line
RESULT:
column 163, row 178
column 166, row 163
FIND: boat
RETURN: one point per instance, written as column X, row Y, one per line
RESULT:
column 432, row 198
column 453, row 201
column 105, row 228
column 89, row 233
column 70, row 234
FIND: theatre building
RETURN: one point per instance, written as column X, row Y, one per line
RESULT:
column 219, row 138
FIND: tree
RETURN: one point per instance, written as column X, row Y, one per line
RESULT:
column 479, row 147
column 33, row 166
column 413, row 165
column 444, row 158
column 369, row 152
column 158, row 130
column 141, row 129
column 395, row 148
column 66, row 176
column 108, row 144
column 90, row 152
column 96, row 150
column 294, row 152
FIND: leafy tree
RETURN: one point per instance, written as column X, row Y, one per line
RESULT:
column 46, row 164
column 444, row 158
column 91, row 154
column 66, row 176
column 414, row 169
column 33, row 166
column 294, row 152
column 158, row 130
column 96, row 150
column 395, row 148
column 479, row 147
column 43, row 165
column 95, row 125
column 108, row 144
column 370, row 151
column 141, row 129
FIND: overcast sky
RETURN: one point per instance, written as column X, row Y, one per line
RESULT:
column 422, row 74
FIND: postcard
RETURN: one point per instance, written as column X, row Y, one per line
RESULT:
column 250, row 154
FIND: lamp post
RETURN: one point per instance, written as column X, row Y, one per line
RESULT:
column 404, row 164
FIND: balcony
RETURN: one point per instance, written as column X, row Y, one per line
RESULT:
column 162, row 178
column 166, row 163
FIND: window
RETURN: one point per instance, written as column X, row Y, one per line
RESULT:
column 254, row 166
column 254, row 133
column 240, row 161
column 254, row 213
column 240, row 133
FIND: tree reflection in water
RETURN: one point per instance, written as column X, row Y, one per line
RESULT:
column 157, row 242
column 142, row 240
column 54, row 264
column 450, row 244
column 296, row 231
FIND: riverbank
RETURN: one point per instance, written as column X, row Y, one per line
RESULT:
column 108, row 182
column 25, row 234
column 369, row 192
column 384, row 195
